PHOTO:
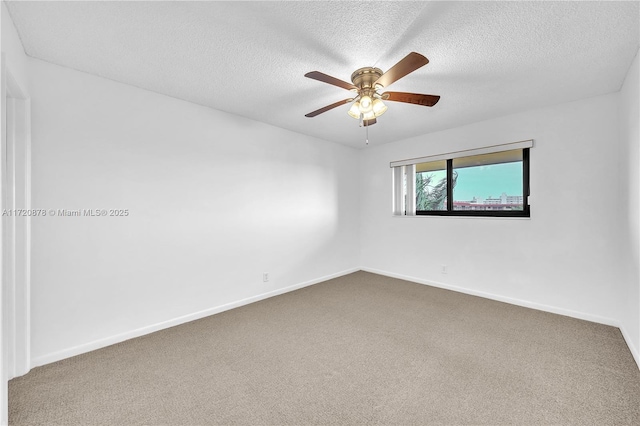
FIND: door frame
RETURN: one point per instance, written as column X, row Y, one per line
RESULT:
column 15, row 247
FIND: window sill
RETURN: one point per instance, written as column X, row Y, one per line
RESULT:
column 464, row 217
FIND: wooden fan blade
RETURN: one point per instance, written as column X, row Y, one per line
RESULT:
column 411, row 98
column 369, row 122
column 328, row 107
column 317, row 75
column 407, row 65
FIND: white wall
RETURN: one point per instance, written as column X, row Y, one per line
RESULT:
column 215, row 200
column 13, row 50
column 565, row 258
column 630, row 184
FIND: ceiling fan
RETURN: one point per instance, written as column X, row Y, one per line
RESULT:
column 368, row 82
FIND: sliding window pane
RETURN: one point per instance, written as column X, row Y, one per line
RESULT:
column 431, row 186
column 489, row 182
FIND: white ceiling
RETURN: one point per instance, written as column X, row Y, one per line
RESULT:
column 487, row 59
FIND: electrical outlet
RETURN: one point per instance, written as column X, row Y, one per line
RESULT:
column 444, row 269
column 265, row 277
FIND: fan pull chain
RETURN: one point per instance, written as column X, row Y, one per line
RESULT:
column 367, row 127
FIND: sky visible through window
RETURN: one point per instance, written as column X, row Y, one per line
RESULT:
column 488, row 181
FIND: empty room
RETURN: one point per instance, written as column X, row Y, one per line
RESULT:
column 322, row 212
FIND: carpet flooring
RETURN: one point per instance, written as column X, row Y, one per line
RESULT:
column 359, row 349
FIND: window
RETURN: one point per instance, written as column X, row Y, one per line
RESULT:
column 431, row 186
column 492, row 181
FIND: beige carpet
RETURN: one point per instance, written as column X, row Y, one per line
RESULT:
column 360, row 349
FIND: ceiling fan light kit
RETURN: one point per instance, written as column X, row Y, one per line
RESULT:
column 368, row 82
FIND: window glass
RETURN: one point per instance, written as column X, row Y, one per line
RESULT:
column 431, row 186
column 489, row 182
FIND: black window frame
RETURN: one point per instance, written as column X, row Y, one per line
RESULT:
column 525, row 212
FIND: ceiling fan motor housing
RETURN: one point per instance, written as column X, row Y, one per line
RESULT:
column 364, row 78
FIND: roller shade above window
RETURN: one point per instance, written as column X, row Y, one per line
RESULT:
column 466, row 153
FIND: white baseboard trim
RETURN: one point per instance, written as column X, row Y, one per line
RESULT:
column 632, row 348
column 499, row 298
column 519, row 302
column 101, row 343
column 108, row 341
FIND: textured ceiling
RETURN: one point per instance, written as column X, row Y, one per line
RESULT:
column 487, row 59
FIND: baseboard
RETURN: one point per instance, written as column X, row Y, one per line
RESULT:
column 632, row 347
column 108, row 341
column 492, row 296
column 519, row 302
column 101, row 343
